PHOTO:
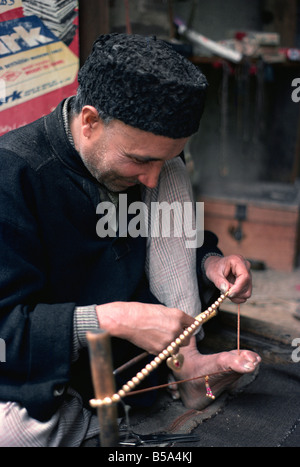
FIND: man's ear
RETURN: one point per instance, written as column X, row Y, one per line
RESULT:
column 90, row 120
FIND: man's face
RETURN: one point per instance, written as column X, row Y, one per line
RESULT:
column 120, row 156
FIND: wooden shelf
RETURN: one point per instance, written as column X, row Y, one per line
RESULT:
column 213, row 60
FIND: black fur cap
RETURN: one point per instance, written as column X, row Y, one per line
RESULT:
column 145, row 83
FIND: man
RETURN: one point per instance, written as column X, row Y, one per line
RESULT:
column 137, row 104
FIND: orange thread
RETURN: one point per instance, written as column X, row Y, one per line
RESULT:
column 166, row 385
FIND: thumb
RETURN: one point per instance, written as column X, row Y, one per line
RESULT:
column 224, row 286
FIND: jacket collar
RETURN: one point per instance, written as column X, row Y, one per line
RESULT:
column 61, row 145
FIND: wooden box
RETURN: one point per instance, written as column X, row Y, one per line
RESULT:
column 260, row 222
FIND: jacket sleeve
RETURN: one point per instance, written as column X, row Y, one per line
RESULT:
column 37, row 333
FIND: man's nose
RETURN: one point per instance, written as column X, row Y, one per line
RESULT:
column 151, row 176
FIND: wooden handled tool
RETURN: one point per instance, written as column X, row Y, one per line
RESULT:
column 99, row 344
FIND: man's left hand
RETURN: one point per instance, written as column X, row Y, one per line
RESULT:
column 230, row 272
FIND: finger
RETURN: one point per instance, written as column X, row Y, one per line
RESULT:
column 238, row 292
column 238, row 300
column 225, row 286
column 242, row 287
column 221, row 280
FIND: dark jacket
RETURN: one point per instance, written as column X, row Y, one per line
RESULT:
column 52, row 260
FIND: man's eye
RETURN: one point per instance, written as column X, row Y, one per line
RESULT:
column 140, row 161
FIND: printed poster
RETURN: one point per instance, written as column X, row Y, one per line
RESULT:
column 39, row 58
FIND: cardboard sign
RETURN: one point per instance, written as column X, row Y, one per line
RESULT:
column 37, row 69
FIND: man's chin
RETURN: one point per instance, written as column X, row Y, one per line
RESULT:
column 120, row 187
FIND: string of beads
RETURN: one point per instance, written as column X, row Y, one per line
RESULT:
column 166, row 353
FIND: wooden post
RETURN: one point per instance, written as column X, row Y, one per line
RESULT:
column 93, row 21
column 104, row 385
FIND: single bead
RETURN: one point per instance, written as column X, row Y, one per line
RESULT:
column 107, row 401
column 96, row 403
column 116, row 398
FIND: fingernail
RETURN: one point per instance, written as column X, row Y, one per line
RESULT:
column 223, row 288
column 231, row 294
column 248, row 366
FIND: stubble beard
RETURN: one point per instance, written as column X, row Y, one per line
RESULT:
column 105, row 176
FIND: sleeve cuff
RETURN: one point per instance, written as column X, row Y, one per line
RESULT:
column 205, row 258
column 85, row 319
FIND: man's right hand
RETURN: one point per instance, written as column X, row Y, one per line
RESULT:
column 150, row 327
